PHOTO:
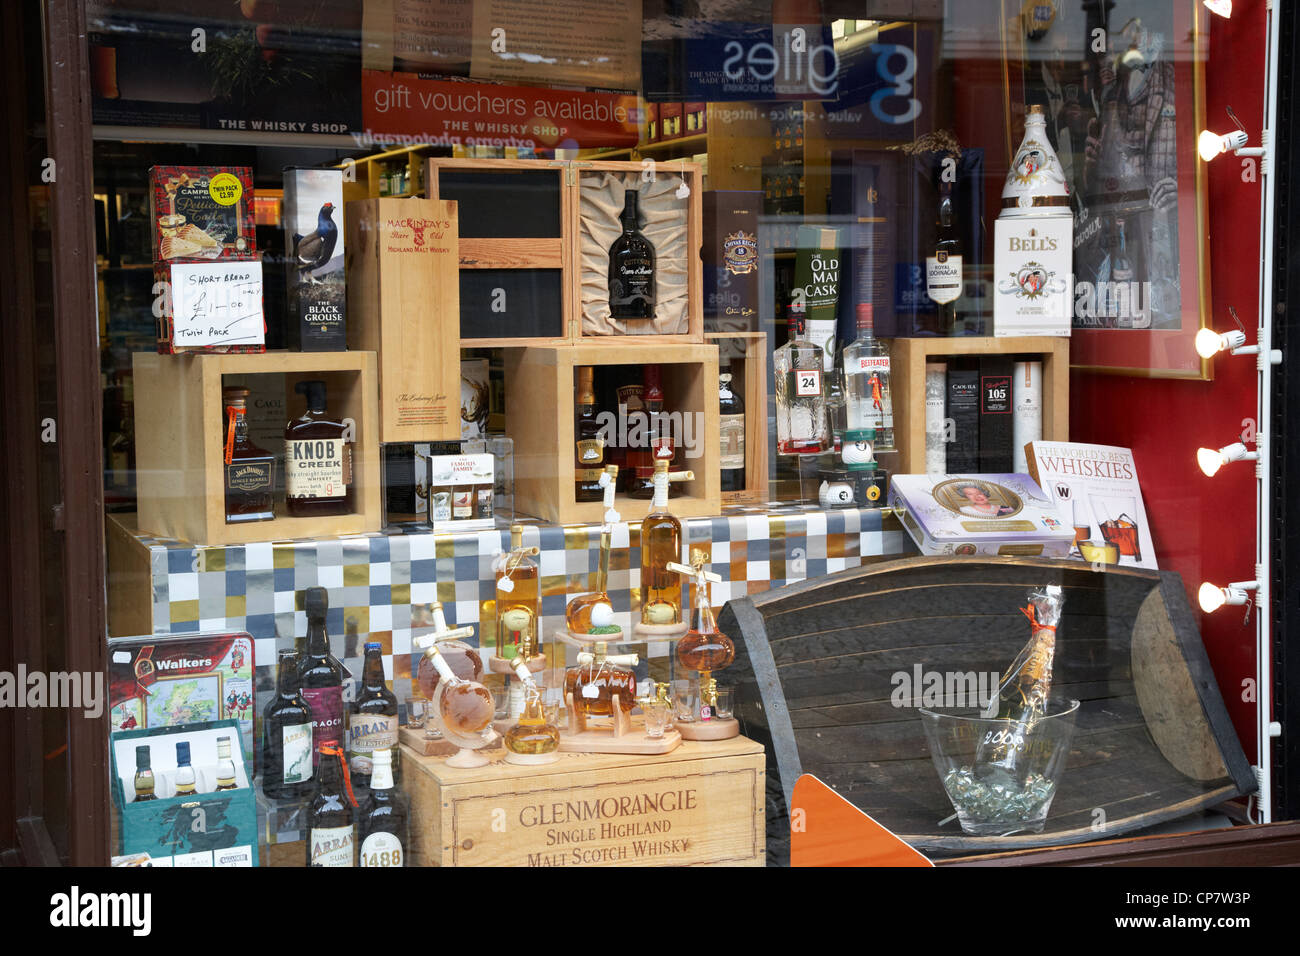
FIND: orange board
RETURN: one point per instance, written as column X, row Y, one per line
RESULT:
column 827, row 830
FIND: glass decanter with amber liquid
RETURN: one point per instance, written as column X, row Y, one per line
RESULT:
column 704, row 650
column 577, row 616
column 661, row 544
column 518, row 600
column 464, row 708
column 599, row 675
column 250, row 470
column 534, row 738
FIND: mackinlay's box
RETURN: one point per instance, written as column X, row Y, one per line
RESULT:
column 996, row 514
column 191, row 679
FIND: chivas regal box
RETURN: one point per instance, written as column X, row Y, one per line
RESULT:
column 996, row 514
column 315, row 281
column 201, row 212
column 1033, row 275
column 168, row 681
column 730, row 254
column 209, row 827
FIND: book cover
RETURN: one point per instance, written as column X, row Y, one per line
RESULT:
column 1097, row 491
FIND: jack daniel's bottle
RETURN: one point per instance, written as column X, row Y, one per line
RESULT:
column 631, row 267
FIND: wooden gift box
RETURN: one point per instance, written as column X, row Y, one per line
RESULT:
column 530, row 245
column 404, row 305
column 907, row 364
column 701, row 805
column 541, row 384
column 179, row 433
column 748, row 354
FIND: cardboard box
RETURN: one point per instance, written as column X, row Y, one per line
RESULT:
column 731, row 280
column 201, row 212
column 404, row 305
column 462, row 490
column 1033, row 276
column 1001, row 515
column 314, row 255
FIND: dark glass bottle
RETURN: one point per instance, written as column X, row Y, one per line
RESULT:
column 731, row 429
column 330, row 838
column 658, row 442
column 943, row 269
column 372, row 725
column 250, row 470
column 631, row 267
column 589, row 462
column 383, row 831
column 144, row 780
column 287, row 736
column 317, row 459
column 321, row 674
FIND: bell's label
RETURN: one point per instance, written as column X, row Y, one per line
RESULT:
column 295, row 741
column 317, row 468
column 382, row 849
column 331, row 846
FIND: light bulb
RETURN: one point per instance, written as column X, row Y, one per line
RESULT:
column 1208, row 343
column 1222, row 7
column 1210, row 144
column 1211, row 597
column 1209, row 461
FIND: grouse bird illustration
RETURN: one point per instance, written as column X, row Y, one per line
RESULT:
column 314, row 249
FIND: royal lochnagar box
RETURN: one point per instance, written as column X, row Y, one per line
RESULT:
column 314, row 251
column 1033, row 275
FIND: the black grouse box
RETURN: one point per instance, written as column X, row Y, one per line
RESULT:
column 315, row 279
column 731, row 289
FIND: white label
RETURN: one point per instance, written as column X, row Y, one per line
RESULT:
column 590, row 691
column 943, row 278
column 368, row 733
column 296, row 743
column 331, row 846
column 731, row 432
column 808, row 383
column 217, row 303
column 382, row 849
column 313, row 468
column 874, row 363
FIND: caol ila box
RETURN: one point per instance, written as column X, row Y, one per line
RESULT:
column 995, row 453
column 731, row 288
column 1000, row 515
column 315, row 280
column 1033, row 276
column 201, row 212
column 962, row 409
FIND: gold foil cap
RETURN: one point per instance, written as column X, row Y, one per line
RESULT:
column 586, row 393
column 516, row 536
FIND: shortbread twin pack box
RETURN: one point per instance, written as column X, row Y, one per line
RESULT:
column 201, row 212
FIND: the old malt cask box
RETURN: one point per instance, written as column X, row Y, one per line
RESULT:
column 702, row 804
column 404, row 304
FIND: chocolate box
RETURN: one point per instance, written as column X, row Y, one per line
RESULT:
column 201, row 212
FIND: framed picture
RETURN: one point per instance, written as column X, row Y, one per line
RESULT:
column 1122, row 82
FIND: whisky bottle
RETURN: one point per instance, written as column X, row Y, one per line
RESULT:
column 598, row 676
column 731, row 429
column 317, row 459
column 321, row 674
column 286, row 736
column 144, row 779
column 186, row 781
column 1035, row 183
column 868, row 384
column 250, row 470
column 577, row 615
column 372, row 725
column 330, row 838
column 590, row 460
column 654, row 442
column 801, row 426
column 533, row 734
column 943, row 268
column 631, row 267
column 518, row 601
column 661, row 544
column 225, row 766
column 383, row 831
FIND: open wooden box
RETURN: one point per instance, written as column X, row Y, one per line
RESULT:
column 180, row 471
column 541, row 383
column 534, row 247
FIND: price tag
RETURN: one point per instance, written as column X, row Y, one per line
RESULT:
column 808, row 382
column 590, row 690
column 217, row 303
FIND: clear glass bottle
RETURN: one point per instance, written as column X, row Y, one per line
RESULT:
column 317, row 459
column 801, row 425
column 704, row 649
column 661, row 544
column 225, row 766
column 533, row 734
column 870, row 398
column 631, row 267
column 144, row 779
column 577, row 615
column 518, row 602
column 186, row 781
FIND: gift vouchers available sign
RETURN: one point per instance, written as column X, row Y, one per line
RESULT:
column 411, row 108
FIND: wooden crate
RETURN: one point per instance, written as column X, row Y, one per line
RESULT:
column 404, row 305
column 540, row 412
column 907, row 364
column 748, row 352
column 592, row 809
column 179, row 433
column 532, row 231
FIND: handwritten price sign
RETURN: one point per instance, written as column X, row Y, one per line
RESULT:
column 217, row 303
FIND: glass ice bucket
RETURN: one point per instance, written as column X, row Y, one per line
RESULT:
column 1000, row 774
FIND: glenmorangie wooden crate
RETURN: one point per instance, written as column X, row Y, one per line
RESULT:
column 701, row 805
column 180, row 468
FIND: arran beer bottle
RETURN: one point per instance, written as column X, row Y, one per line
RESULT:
column 372, row 725
column 329, row 816
column 321, row 673
column 286, row 736
column 383, row 818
